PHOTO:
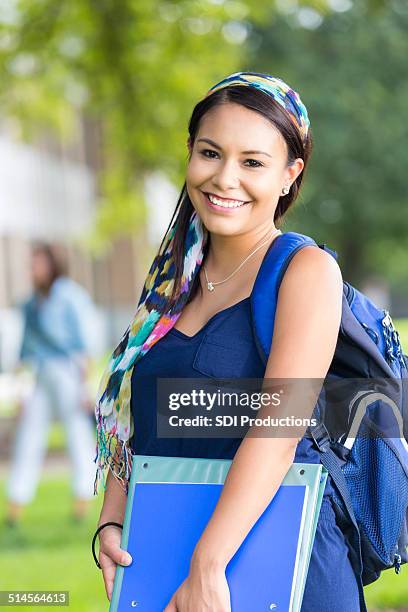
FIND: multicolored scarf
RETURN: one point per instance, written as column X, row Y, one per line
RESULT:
column 154, row 317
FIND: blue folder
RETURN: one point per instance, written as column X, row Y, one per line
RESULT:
column 170, row 502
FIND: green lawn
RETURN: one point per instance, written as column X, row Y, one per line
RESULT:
column 402, row 327
column 49, row 552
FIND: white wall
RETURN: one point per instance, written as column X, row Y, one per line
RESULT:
column 43, row 196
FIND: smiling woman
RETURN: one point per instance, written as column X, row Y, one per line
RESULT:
column 240, row 199
column 249, row 144
column 225, row 171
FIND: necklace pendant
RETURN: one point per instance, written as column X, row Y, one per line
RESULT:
column 210, row 286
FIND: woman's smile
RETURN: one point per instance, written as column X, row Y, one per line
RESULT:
column 221, row 204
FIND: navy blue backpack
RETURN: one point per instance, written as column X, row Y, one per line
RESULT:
column 369, row 472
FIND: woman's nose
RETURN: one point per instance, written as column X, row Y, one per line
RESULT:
column 226, row 176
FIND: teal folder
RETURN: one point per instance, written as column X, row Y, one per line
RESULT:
column 169, row 504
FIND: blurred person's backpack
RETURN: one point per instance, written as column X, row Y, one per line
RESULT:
column 368, row 467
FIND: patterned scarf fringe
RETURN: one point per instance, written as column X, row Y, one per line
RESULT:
column 112, row 455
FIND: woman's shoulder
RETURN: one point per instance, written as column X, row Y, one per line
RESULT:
column 313, row 274
column 308, row 316
column 313, row 263
column 65, row 287
column 312, row 281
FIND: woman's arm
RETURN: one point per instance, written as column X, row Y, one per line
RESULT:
column 114, row 502
column 305, row 335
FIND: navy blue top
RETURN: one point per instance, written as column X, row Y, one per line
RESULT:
column 223, row 348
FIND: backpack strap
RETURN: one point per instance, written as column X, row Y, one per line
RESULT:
column 326, row 248
column 264, row 296
column 331, row 462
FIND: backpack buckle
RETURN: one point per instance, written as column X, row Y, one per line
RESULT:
column 321, row 437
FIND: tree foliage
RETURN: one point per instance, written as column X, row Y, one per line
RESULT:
column 135, row 70
column 353, row 77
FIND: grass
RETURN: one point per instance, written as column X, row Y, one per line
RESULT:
column 50, row 552
column 402, row 327
column 389, row 592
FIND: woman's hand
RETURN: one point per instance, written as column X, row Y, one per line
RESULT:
column 202, row 591
column 110, row 555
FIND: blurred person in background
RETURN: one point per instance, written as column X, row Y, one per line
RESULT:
column 55, row 347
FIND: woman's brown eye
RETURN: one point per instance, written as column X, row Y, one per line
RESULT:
column 258, row 164
column 204, row 151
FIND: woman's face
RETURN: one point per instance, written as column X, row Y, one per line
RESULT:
column 240, row 156
column 40, row 269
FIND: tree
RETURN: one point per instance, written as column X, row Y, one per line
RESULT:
column 133, row 69
column 352, row 74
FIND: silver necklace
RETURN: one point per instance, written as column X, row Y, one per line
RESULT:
column 211, row 285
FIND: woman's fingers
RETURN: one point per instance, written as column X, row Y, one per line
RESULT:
column 111, row 555
column 108, row 565
column 108, row 571
column 171, row 606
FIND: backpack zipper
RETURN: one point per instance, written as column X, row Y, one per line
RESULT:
column 397, row 563
column 392, row 339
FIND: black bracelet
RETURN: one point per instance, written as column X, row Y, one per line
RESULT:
column 95, row 535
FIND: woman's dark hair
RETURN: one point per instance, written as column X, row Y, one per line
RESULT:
column 265, row 105
column 56, row 261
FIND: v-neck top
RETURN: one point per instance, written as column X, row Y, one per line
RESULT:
column 223, row 348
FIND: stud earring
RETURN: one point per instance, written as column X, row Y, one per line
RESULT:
column 285, row 190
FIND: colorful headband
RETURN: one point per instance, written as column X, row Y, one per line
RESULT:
column 277, row 89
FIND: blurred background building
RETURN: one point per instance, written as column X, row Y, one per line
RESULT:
column 48, row 193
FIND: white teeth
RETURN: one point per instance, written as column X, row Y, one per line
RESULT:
column 225, row 204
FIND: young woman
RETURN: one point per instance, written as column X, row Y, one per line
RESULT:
column 55, row 346
column 249, row 143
